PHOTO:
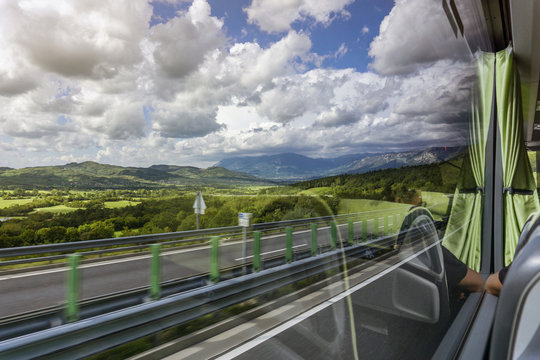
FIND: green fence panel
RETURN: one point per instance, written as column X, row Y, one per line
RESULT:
column 256, row 251
column 333, row 235
column 314, row 240
column 72, row 289
column 155, row 271
column 288, row 244
column 214, row 259
column 350, row 232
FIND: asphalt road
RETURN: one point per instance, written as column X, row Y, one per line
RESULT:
column 34, row 290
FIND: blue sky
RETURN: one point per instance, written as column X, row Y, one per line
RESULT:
column 190, row 82
column 355, row 32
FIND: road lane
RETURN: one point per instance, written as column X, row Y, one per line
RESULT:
column 35, row 290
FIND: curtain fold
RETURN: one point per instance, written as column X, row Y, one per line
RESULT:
column 463, row 236
column 520, row 195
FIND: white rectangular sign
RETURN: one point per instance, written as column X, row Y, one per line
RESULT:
column 244, row 219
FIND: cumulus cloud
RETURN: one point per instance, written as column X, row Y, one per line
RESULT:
column 415, row 33
column 182, row 123
column 72, row 38
column 182, row 43
column 184, row 92
column 277, row 16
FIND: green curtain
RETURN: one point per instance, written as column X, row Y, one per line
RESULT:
column 520, row 196
column 463, row 235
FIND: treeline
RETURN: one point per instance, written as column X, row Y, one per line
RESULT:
column 399, row 185
column 156, row 216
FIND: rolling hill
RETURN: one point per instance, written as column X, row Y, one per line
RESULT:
column 92, row 175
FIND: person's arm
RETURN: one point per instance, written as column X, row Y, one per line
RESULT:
column 493, row 284
column 495, row 281
column 472, row 281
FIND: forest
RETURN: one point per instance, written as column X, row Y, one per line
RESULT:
column 151, row 216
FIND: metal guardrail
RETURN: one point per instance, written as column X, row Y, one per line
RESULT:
column 142, row 241
column 241, row 288
column 112, row 329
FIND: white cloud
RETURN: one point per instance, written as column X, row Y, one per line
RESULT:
column 210, row 97
column 182, row 43
column 72, row 38
column 182, row 123
column 415, row 33
column 278, row 15
column 341, row 51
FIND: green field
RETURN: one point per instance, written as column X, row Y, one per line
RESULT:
column 348, row 206
column 320, row 191
column 436, row 202
column 8, row 203
column 58, row 209
column 119, row 204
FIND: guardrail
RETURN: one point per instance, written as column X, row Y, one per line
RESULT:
column 142, row 241
column 112, row 329
column 37, row 322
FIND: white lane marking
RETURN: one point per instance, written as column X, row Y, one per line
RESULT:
column 134, row 258
column 268, row 252
column 104, row 263
column 281, row 328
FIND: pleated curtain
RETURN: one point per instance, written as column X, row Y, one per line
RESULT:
column 463, row 235
column 464, row 231
column 520, row 195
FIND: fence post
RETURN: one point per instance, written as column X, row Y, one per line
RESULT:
column 256, row 251
column 214, row 259
column 376, row 227
column 333, row 235
column 314, row 240
column 350, row 232
column 155, row 271
column 288, row 244
column 72, row 290
column 364, row 230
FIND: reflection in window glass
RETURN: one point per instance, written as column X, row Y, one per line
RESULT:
column 358, row 112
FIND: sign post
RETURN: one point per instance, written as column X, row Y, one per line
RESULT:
column 199, row 206
column 244, row 220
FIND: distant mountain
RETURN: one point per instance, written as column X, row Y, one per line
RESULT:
column 294, row 167
column 92, row 175
column 282, row 166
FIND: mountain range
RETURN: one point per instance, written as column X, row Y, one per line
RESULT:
column 252, row 170
column 92, row 175
column 295, row 167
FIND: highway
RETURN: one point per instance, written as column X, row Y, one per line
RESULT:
column 38, row 289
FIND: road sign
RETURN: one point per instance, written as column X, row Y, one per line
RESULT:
column 199, row 206
column 244, row 219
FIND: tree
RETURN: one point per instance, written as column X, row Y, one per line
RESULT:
column 50, row 235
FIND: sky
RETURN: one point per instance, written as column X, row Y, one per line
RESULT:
column 191, row 82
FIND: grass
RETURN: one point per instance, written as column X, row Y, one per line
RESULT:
column 436, row 202
column 348, row 206
column 58, row 209
column 320, row 191
column 8, row 203
column 119, row 204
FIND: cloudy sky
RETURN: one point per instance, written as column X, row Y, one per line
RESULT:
column 136, row 83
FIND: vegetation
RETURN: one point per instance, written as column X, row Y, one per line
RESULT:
column 91, row 175
column 400, row 185
column 159, row 212
column 63, row 215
